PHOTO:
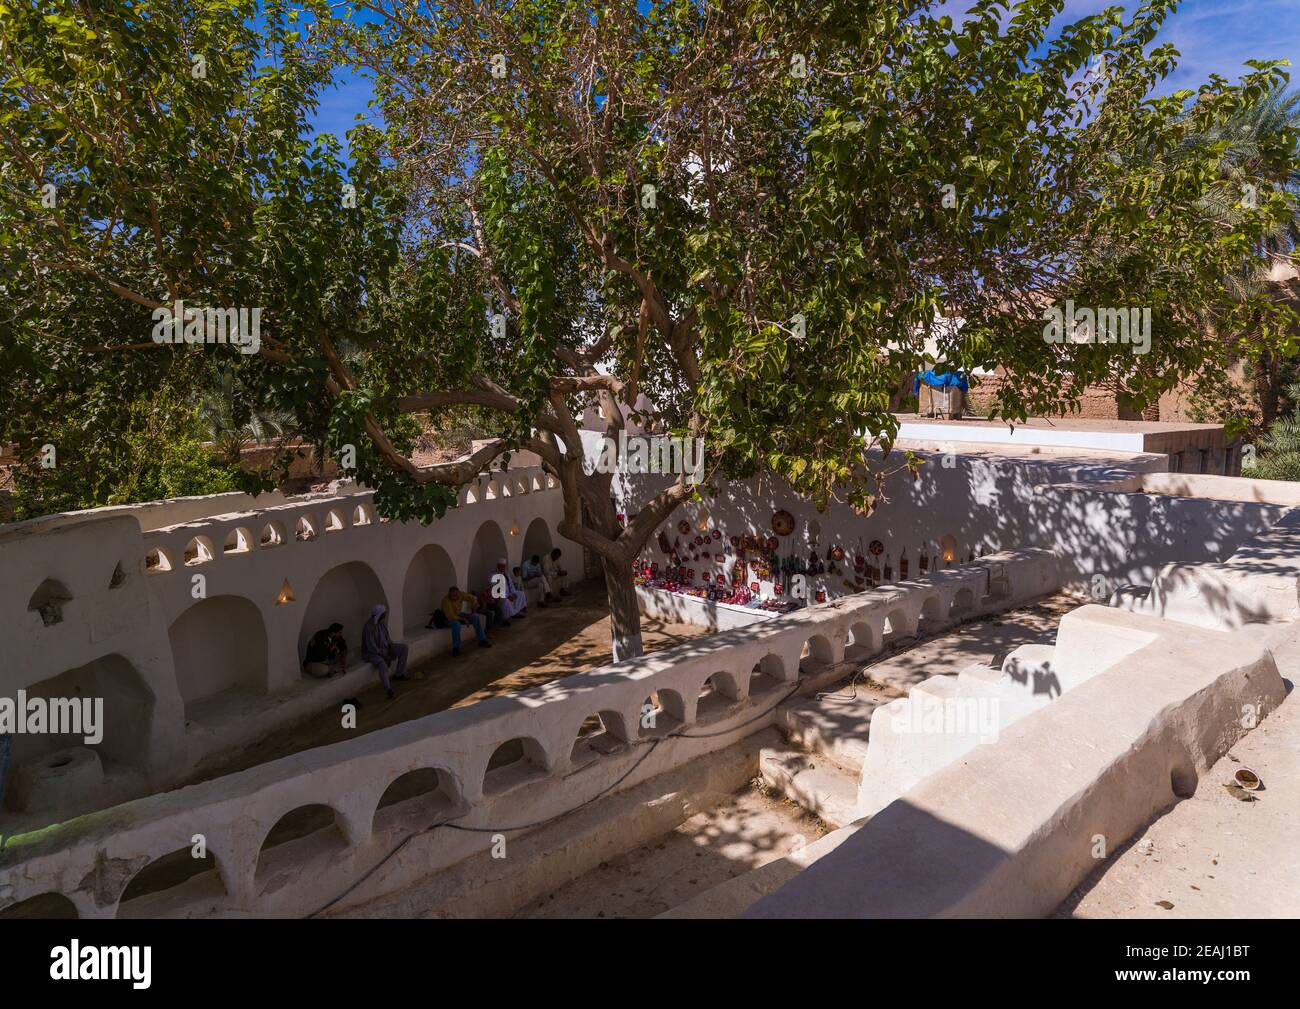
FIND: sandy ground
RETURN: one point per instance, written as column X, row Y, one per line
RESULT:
column 554, row 642
column 1214, row 856
column 751, row 829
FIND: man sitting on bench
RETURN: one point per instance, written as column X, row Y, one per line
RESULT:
column 534, row 578
column 327, row 653
column 556, row 575
column 458, row 608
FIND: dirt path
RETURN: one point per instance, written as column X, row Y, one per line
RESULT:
column 750, row 829
column 547, row 645
column 1214, row 856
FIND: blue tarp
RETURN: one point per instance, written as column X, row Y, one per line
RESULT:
column 940, row 381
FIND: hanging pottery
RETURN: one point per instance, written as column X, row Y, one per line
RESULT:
column 684, row 527
column 859, row 561
column 734, row 541
column 877, row 548
column 837, row 553
column 782, row 523
column 717, row 534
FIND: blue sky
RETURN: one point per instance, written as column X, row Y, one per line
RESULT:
column 1213, row 36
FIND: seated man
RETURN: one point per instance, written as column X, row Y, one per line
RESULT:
column 379, row 649
column 514, row 601
column 458, row 608
column 556, row 575
column 517, row 583
column 491, row 609
column 535, row 579
column 327, row 653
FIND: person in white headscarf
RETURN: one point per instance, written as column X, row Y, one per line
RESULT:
column 379, row 649
column 514, row 602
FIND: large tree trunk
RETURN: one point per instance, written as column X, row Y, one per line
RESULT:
column 624, row 614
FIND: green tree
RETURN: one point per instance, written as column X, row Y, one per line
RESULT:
column 753, row 214
column 1242, row 144
column 1279, row 448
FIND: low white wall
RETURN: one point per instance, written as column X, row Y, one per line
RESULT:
column 92, row 860
column 1011, row 829
column 205, row 639
column 1105, row 537
column 661, row 604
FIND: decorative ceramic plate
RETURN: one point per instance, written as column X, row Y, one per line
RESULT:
column 782, row 523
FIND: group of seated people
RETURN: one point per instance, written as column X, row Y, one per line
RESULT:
column 504, row 599
column 327, row 650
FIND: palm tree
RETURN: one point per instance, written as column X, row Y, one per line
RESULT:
column 1244, row 133
column 230, row 428
column 1279, row 449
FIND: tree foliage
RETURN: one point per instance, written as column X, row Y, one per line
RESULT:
column 742, row 222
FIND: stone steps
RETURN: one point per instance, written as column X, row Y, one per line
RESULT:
column 819, row 785
column 835, row 726
column 732, row 898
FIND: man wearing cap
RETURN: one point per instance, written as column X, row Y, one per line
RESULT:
column 379, row 649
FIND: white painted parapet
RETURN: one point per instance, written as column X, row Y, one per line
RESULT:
column 946, row 717
column 194, row 632
column 1258, row 584
column 93, row 859
column 1014, row 826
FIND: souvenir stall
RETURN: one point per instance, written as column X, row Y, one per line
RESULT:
column 776, row 570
